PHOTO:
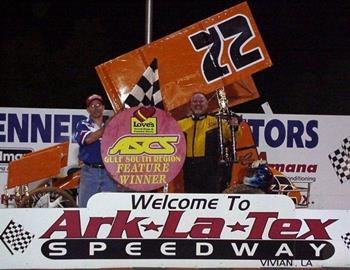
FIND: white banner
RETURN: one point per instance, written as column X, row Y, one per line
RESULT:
column 306, row 148
column 300, row 147
column 175, row 230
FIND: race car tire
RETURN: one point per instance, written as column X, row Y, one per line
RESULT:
column 48, row 197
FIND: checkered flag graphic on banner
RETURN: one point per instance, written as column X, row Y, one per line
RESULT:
column 340, row 160
column 15, row 238
column 147, row 91
column 346, row 239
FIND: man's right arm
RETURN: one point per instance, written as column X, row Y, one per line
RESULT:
column 94, row 136
column 83, row 135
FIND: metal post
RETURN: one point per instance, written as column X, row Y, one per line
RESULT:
column 148, row 39
column 149, row 21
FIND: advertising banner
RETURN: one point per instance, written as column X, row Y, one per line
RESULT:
column 175, row 230
column 312, row 150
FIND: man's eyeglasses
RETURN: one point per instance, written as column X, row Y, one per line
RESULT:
column 97, row 105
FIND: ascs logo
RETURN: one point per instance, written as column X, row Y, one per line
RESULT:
column 152, row 145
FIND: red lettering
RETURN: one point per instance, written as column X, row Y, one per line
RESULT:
column 213, row 227
column 171, row 224
column 94, row 226
column 280, row 226
column 72, row 225
column 121, row 224
column 259, row 224
column 317, row 229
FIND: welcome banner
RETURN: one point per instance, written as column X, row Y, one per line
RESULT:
column 175, row 230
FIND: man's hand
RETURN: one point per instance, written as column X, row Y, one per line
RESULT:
column 234, row 121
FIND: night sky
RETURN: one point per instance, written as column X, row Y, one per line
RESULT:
column 49, row 49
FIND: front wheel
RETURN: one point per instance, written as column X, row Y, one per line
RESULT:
column 48, row 197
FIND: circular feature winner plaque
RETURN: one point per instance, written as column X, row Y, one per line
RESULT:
column 143, row 148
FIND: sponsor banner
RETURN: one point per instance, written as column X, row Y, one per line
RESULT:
column 143, row 148
column 311, row 150
column 175, row 230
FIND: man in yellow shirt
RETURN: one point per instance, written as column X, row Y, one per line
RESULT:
column 202, row 172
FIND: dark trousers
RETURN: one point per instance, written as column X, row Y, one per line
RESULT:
column 201, row 175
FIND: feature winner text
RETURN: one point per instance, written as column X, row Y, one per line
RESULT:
column 140, row 170
column 175, row 230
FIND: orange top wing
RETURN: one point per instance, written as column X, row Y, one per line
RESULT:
column 222, row 50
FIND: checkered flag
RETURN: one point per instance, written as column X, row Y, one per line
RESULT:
column 346, row 239
column 340, row 160
column 15, row 238
column 147, row 91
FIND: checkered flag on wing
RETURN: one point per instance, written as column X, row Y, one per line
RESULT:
column 15, row 238
column 346, row 239
column 147, row 91
column 340, row 160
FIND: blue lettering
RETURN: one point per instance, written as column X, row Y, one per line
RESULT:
column 43, row 129
column 37, row 127
column 60, row 128
column 295, row 132
column 280, row 130
column 310, row 130
column 21, row 129
column 255, row 126
column 2, row 127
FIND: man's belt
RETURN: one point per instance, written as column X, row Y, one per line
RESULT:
column 97, row 166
